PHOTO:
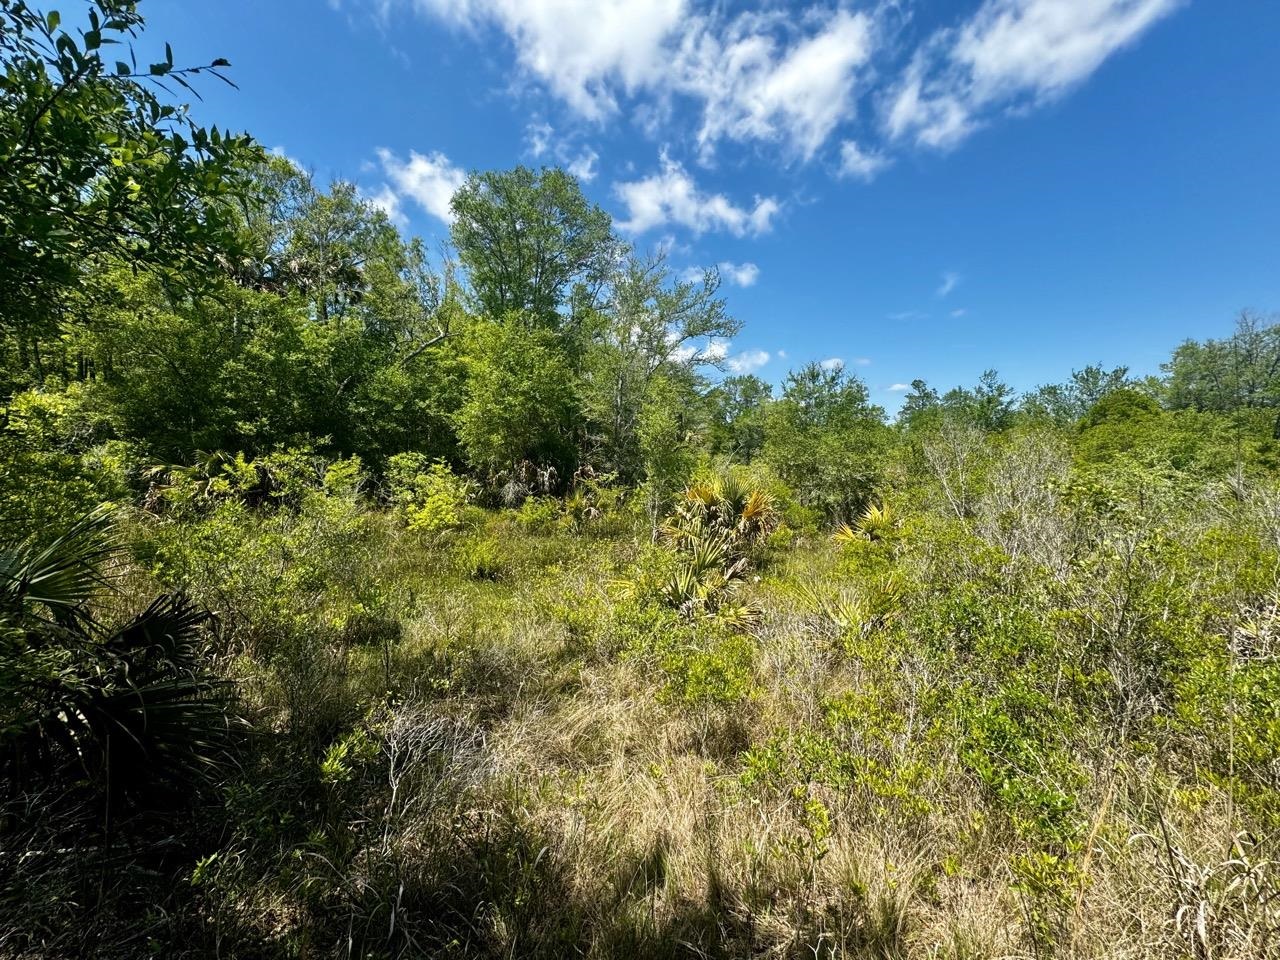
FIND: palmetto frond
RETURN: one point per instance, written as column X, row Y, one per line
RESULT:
column 130, row 709
column 56, row 579
column 876, row 523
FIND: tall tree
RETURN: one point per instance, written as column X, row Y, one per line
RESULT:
column 651, row 326
column 1240, row 372
column 535, row 249
column 738, row 409
column 826, row 439
column 1065, row 403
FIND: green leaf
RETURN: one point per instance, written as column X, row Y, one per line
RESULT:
column 52, row 19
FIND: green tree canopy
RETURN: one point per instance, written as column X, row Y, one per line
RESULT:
column 532, row 244
column 94, row 161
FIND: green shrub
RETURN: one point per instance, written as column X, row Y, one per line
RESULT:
column 431, row 497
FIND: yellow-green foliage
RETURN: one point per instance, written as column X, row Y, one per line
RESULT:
column 431, row 496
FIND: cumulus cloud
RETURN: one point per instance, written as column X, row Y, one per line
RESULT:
column 749, row 361
column 753, row 75
column 1010, row 53
column 898, row 387
column 740, row 274
column 583, row 166
column 386, row 200
column 703, row 74
column 672, row 197
column 429, row 180
column 832, row 363
column 582, row 50
column 755, row 87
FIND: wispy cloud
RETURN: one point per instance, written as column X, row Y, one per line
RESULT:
column 754, row 75
column 1010, row 53
column 768, row 75
column 542, row 142
column 898, row 387
column 950, row 280
column 859, row 163
column 671, row 196
column 832, row 363
column 583, row 166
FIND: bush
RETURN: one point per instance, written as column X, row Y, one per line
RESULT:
column 431, row 497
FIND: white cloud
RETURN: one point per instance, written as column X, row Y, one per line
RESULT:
column 753, row 76
column 749, row 361
column 538, row 137
column 387, row 201
column 279, row 151
column 703, row 73
column 714, row 350
column 583, row 166
column 1010, row 53
column 740, row 274
column 832, row 363
column 957, row 314
column 859, row 163
column 429, row 180
column 862, row 362
column 782, row 354
column 542, row 142
column 580, row 49
column 672, row 197
column 898, row 387
column 950, row 280
column 754, row 88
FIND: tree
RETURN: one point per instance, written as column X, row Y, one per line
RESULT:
column 532, row 245
column 1240, row 372
column 94, row 163
column 988, row 406
column 1065, row 403
column 738, row 409
column 826, row 440
column 920, row 403
column 650, row 326
column 520, row 403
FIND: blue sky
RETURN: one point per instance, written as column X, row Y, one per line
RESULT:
column 920, row 189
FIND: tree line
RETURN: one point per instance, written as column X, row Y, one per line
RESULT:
column 170, row 291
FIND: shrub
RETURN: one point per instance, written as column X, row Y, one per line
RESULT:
column 430, row 495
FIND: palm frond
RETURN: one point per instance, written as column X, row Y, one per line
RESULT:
column 61, row 575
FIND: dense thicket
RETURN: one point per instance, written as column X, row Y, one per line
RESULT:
column 361, row 602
